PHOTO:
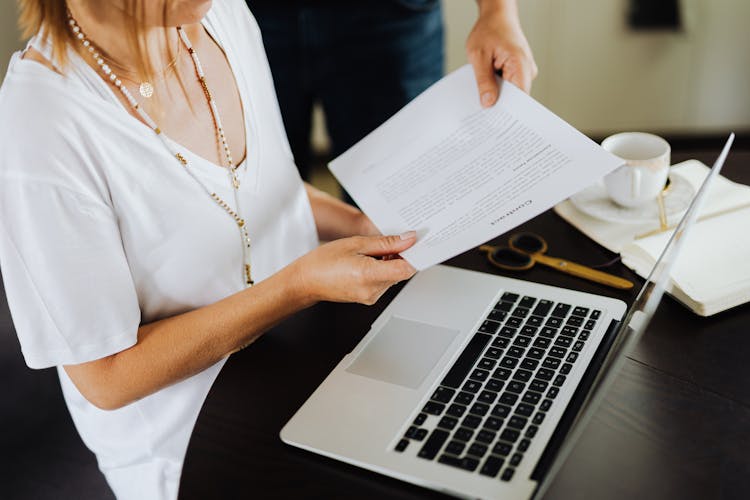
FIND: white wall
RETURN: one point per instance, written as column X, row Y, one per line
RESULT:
column 602, row 77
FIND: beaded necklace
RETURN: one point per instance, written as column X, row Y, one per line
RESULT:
column 231, row 168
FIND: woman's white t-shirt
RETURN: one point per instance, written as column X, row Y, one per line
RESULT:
column 101, row 231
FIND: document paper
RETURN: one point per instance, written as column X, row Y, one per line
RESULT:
column 461, row 175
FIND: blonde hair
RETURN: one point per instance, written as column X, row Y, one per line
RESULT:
column 51, row 18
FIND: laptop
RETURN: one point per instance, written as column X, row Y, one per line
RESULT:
column 479, row 385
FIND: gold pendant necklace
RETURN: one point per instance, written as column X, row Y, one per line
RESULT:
column 146, row 89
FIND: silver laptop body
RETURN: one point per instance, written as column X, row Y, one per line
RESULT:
column 399, row 385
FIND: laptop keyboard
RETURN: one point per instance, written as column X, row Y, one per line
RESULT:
column 499, row 390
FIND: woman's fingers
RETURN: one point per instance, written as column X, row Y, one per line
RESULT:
column 378, row 246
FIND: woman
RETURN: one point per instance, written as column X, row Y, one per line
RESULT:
column 152, row 220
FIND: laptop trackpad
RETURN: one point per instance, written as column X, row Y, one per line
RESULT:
column 403, row 352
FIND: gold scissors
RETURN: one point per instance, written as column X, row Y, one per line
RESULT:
column 526, row 249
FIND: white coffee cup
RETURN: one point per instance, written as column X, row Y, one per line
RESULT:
column 645, row 171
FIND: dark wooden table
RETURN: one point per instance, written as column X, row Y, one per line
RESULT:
column 676, row 423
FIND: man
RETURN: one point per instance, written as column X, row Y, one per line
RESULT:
column 363, row 60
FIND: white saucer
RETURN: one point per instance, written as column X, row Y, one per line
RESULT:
column 594, row 201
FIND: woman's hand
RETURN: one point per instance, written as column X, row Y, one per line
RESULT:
column 497, row 42
column 356, row 269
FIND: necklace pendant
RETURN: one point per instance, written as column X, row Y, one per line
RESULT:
column 146, row 89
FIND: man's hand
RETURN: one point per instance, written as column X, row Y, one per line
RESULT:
column 497, row 42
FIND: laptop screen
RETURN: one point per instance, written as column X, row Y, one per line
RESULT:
column 634, row 325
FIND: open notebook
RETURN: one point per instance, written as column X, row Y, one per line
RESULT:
column 713, row 273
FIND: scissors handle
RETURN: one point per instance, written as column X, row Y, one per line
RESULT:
column 583, row 272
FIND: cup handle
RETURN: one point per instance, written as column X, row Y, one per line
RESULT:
column 635, row 183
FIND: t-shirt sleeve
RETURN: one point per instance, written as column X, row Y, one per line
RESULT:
column 66, row 276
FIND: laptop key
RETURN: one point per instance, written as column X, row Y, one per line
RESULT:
column 420, row 434
column 514, row 321
column 419, row 420
column 516, row 352
column 551, row 363
column 491, row 466
column 448, row 423
column 494, row 353
column 507, row 474
column 543, row 307
column 502, row 449
column 527, row 302
column 516, row 386
column 509, row 398
column 485, row 436
column 464, row 398
column 469, row 463
column 554, row 322
column 508, row 332
column 508, row 362
column 565, row 368
column 401, row 446
column 466, row 463
column 490, row 327
column 509, row 297
column 486, row 364
column 557, row 352
column 590, row 324
column 472, row 386
column 510, row 435
column 493, row 423
column 552, row 393
column 535, row 353
column 502, row 373
column 443, row 394
column 538, row 418
column 540, row 342
column 520, row 312
column 463, row 434
column 471, row 421
column 529, row 330
column 529, row 364
column 517, row 422
column 525, row 410
column 531, row 431
column 433, row 444
column 411, row 432
column 578, row 346
column 563, row 341
column 535, row 321
column 515, row 459
column 487, row 397
column 494, row 385
column 561, row 310
column 538, row 385
column 504, row 306
column 569, row 331
column 479, row 375
column 433, row 408
column 497, row 315
column 466, row 360
column 456, row 410
column 523, row 445
column 522, row 341
column 522, row 375
column 580, row 311
column 480, row 409
column 500, row 342
column 559, row 380
column 477, row 449
column 545, row 374
column 531, row 397
column 546, row 404
column 572, row 357
column 548, row 332
column 596, row 314
column 455, row 447
column 584, row 336
column 574, row 321
column 501, row 411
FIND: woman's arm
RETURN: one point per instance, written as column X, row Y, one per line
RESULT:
column 172, row 349
column 336, row 219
